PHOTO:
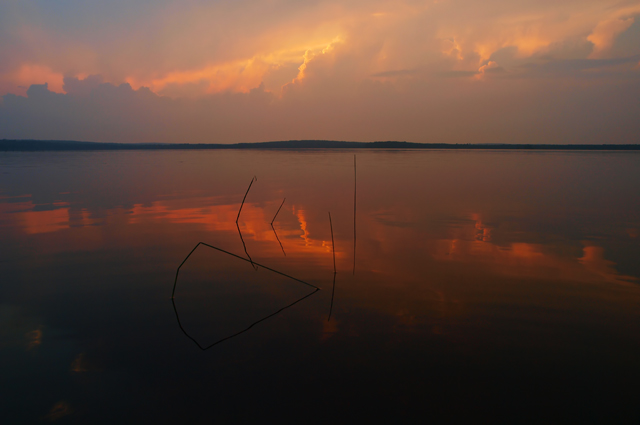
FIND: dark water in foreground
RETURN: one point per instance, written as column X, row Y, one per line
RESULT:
column 498, row 287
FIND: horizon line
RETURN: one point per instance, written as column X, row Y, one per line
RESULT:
column 74, row 145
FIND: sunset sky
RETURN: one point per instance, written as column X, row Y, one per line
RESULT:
column 454, row 71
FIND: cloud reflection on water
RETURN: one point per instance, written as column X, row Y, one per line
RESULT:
column 472, row 244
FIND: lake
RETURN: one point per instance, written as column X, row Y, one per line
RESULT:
column 469, row 286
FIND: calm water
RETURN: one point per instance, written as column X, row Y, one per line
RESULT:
column 497, row 287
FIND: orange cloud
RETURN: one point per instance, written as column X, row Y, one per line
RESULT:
column 240, row 76
column 350, row 71
column 18, row 81
column 203, row 51
column 314, row 53
column 491, row 65
column 450, row 47
column 605, row 34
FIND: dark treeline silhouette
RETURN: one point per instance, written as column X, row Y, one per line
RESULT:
column 69, row 145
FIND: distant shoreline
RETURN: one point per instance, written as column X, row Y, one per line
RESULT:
column 68, row 145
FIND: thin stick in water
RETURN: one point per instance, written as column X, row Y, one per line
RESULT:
column 333, row 246
column 245, row 197
column 354, row 213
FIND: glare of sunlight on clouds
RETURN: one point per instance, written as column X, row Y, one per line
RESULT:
column 311, row 54
column 239, row 76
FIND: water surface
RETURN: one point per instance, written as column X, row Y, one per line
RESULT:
column 496, row 287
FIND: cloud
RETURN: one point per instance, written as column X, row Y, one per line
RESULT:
column 93, row 110
column 77, row 87
column 395, row 73
column 458, row 74
column 575, row 68
column 605, row 33
column 417, row 109
column 254, row 70
column 208, row 47
column 490, row 67
column 19, row 79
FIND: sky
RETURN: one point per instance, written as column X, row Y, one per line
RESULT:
column 222, row 71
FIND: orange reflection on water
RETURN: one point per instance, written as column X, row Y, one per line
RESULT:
column 254, row 223
column 303, row 224
column 483, row 233
column 471, row 247
column 24, row 215
column 329, row 329
column 45, row 221
column 518, row 253
column 470, row 244
column 594, row 261
column 526, row 259
column 216, row 217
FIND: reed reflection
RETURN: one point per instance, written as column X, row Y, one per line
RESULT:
column 238, row 226
column 335, row 271
column 274, row 230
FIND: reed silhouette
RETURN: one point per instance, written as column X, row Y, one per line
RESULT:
column 355, row 186
column 206, row 347
column 245, row 197
column 333, row 245
column 238, row 226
